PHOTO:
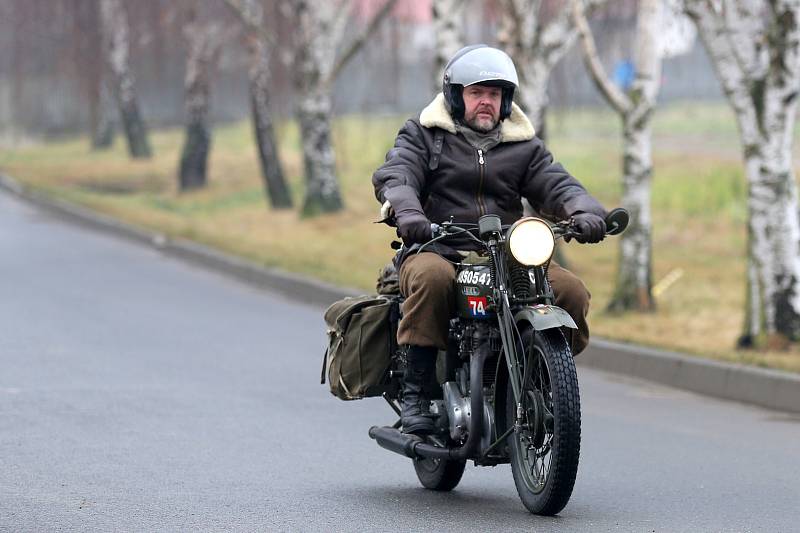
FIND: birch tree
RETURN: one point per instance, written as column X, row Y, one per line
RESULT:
column 89, row 33
column 536, row 46
column 755, row 48
column 116, row 37
column 259, row 43
column 102, row 116
column 634, row 269
column 204, row 36
column 447, row 18
column 320, row 27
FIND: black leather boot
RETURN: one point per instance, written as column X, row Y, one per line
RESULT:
column 420, row 370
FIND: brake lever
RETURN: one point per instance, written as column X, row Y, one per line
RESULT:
column 391, row 221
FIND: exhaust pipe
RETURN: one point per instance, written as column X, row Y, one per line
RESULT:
column 413, row 447
column 394, row 441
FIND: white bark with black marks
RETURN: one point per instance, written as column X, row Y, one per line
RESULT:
column 116, row 37
column 320, row 26
column 203, row 36
column 271, row 167
column 448, row 21
column 755, row 48
column 318, row 34
column 634, row 282
column 536, row 47
column 258, row 43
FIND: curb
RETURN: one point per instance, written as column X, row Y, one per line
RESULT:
column 772, row 389
column 299, row 288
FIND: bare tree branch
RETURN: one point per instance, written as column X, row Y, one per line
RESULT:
column 356, row 45
column 553, row 43
column 342, row 12
column 252, row 16
column 615, row 97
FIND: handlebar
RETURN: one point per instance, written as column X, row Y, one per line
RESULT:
column 616, row 222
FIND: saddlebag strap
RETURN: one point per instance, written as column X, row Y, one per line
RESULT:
column 324, row 367
column 436, row 153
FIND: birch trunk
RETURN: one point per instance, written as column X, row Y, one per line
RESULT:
column 536, row 47
column 320, row 27
column 635, row 265
column 318, row 33
column 203, row 40
column 271, row 167
column 533, row 97
column 755, row 48
column 448, row 28
column 322, row 185
column 117, row 36
column 633, row 290
column 102, row 117
column 258, row 43
column 101, row 102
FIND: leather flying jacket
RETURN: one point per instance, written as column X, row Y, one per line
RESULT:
column 454, row 179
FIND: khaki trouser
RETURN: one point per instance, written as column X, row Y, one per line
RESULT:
column 428, row 284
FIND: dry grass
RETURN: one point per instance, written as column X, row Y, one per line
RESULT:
column 698, row 201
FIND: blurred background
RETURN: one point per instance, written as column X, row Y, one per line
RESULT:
column 254, row 127
column 51, row 68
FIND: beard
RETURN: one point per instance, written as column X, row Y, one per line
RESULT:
column 480, row 123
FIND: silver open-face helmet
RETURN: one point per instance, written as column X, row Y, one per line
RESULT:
column 478, row 64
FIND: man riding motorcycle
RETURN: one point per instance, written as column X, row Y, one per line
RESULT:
column 471, row 152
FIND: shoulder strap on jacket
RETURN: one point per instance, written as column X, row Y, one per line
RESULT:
column 436, row 153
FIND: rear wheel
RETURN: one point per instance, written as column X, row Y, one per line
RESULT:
column 439, row 474
column 545, row 446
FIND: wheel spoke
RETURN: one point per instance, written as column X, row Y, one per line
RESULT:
column 535, row 441
column 535, row 453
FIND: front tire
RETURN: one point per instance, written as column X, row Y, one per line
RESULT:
column 545, row 448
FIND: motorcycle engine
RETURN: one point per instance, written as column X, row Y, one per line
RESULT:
column 457, row 405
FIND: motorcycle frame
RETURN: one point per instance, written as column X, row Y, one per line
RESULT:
column 509, row 314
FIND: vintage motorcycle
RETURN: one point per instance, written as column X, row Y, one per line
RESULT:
column 509, row 389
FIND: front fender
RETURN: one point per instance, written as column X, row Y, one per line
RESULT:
column 544, row 317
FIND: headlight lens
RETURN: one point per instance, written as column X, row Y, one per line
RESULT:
column 531, row 241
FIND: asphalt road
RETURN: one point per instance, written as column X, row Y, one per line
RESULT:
column 140, row 393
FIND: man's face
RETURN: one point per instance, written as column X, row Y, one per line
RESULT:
column 482, row 107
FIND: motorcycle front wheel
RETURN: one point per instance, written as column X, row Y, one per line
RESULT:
column 545, row 445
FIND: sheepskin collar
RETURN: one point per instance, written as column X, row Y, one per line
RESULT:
column 515, row 128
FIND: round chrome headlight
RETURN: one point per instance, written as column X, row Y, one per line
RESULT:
column 531, row 241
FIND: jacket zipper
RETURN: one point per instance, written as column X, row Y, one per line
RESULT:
column 481, row 173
